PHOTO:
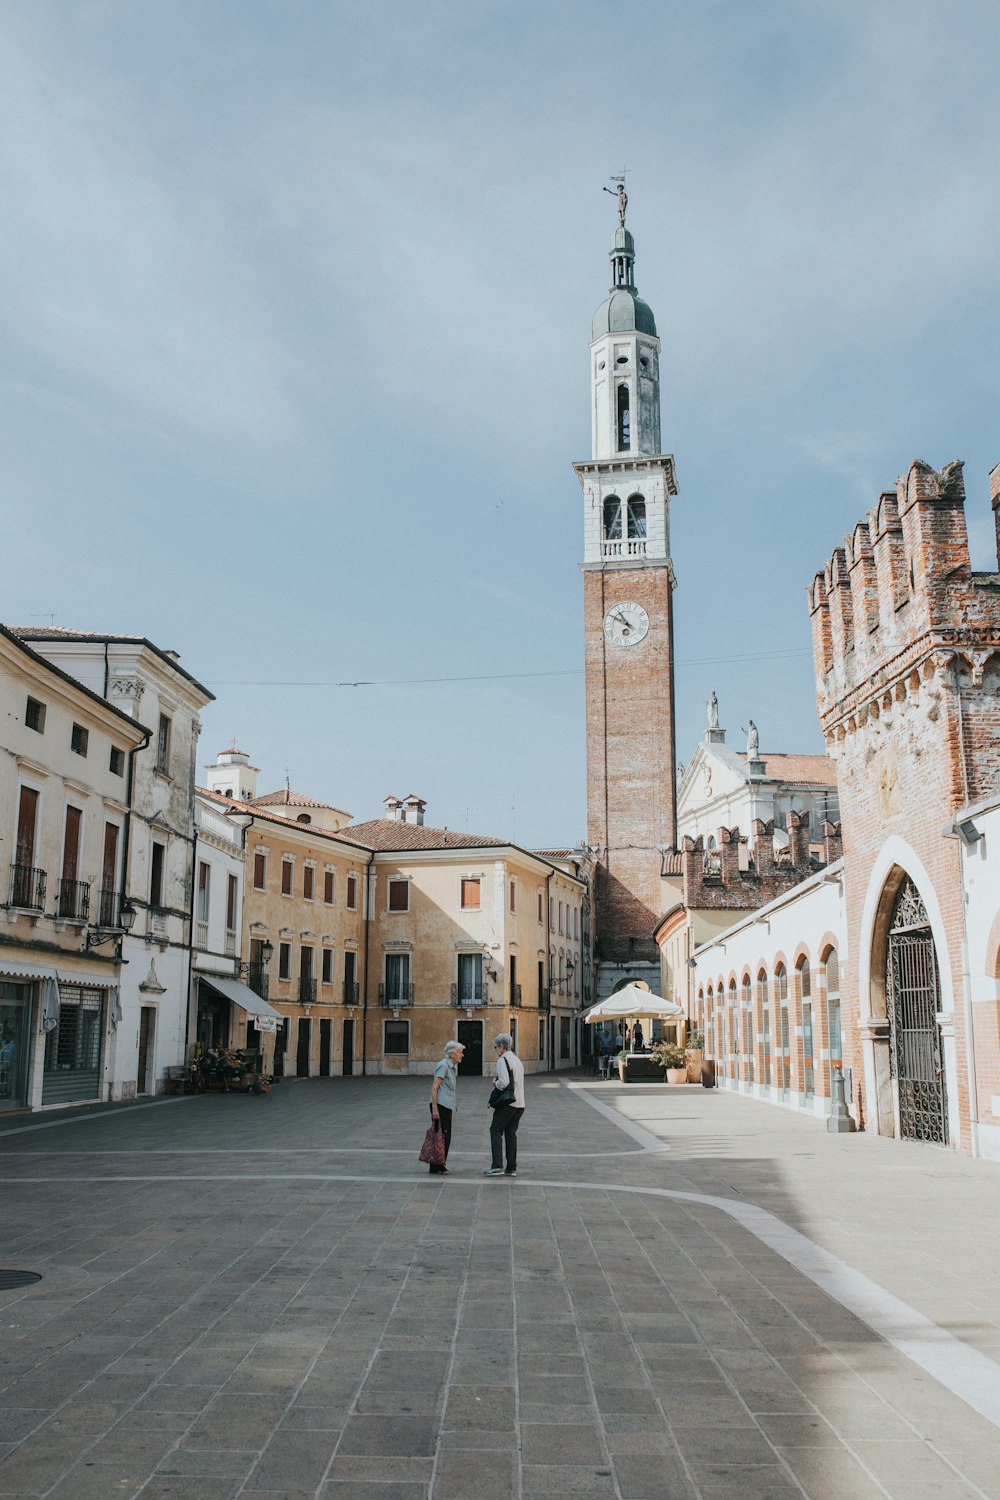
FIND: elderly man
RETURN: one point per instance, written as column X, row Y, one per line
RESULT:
column 506, row 1117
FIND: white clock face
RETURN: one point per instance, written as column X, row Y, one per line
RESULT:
column 626, row 624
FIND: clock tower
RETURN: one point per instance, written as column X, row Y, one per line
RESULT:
column 628, row 582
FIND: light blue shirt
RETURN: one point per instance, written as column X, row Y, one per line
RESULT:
column 448, row 1074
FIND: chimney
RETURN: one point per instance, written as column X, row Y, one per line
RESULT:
column 414, row 809
column 393, row 809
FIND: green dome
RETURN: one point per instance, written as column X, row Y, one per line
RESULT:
column 623, row 312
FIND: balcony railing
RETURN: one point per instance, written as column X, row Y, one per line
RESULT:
column 633, row 547
column 393, row 1000
column 257, row 980
column 468, row 1002
column 27, row 887
column 230, row 948
column 201, row 934
column 74, row 900
column 515, row 995
column 307, row 991
column 350, row 992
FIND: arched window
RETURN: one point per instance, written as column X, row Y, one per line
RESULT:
column 734, row 1031
column 624, row 419
column 833, row 1032
column 784, row 1031
column 303, row 818
column 636, row 517
column 612, row 519
column 805, row 997
column 764, row 1002
column 746, row 997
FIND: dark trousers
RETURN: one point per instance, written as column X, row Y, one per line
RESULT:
column 445, row 1131
column 503, row 1132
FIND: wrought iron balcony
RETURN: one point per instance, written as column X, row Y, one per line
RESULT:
column 545, row 998
column 469, row 1002
column 74, row 900
column 257, row 979
column 27, row 888
column 515, row 995
column 394, row 1000
column 350, row 992
column 307, row 991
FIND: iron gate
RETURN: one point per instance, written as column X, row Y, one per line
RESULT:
column 912, row 996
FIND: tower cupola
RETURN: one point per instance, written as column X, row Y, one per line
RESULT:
column 625, row 361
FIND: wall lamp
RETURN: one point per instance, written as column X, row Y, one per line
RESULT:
column 266, row 954
column 126, row 921
column 489, row 966
column 965, row 831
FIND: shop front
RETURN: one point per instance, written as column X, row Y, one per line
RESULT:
column 231, row 1015
column 53, row 1036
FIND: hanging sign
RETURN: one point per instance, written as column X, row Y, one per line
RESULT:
column 265, row 1023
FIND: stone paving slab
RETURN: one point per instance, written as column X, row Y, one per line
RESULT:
column 269, row 1296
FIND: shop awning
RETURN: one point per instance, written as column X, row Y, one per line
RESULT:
column 26, row 971
column 239, row 994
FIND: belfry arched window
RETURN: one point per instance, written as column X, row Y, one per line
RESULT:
column 612, row 519
column 624, row 419
column 636, row 517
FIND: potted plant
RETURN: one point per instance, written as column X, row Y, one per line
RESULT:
column 671, row 1057
column 621, row 1064
column 694, row 1052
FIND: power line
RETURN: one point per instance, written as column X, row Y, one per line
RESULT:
column 691, row 661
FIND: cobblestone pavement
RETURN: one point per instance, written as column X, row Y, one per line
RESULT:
column 683, row 1293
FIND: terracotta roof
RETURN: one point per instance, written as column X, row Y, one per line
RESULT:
column 557, row 853
column 387, row 834
column 286, row 798
column 312, row 830
column 819, row 770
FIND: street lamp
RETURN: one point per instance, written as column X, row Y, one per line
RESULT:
column 95, row 936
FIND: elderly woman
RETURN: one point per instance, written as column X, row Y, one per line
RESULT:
column 443, row 1102
column 506, row 1117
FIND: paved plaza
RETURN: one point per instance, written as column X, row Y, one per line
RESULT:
column 683, row 1293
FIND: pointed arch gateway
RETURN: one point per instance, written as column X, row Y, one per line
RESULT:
column 912, row 1004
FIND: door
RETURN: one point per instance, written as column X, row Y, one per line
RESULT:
column 280, row 1046
column 913, row 999
column 325, row 1047
column 147, row 1028
column 14, row 1011
column 23, row 890
column 302, row 1049
column 348, row 1067
column 470, row 1034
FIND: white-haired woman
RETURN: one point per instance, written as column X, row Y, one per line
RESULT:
column 506, row 1117
column 443, row 1100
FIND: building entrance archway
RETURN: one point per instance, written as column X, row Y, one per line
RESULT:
column 912, row 1003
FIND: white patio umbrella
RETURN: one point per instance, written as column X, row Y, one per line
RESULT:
column 633, row 1003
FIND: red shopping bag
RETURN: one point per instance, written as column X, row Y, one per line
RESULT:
column 432, row 1151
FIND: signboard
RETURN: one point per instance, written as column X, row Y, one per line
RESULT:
column 265, row 1023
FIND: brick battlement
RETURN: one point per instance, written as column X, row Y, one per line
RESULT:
column 713, row 881
column 900, row 601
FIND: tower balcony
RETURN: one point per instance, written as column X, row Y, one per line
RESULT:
column 632, row 547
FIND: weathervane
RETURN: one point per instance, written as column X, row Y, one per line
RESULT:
column 619, row 193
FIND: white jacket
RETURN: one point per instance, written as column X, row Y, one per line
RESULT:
column 511, row 1060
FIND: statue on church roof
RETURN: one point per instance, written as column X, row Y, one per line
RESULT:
column 753, row 741
column 619, row 193
column 712, row 704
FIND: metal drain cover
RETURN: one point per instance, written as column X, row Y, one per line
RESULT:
column 11, row 1279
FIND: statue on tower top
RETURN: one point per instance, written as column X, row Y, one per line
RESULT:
column 619, row 193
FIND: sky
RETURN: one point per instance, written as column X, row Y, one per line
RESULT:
column 295, row 300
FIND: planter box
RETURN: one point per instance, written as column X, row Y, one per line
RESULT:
column 693, row 1056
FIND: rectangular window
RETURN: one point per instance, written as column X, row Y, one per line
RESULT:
column 564, row 1037
column 541, row 1041
column 576, row 921
column 397, row 977
column 552, row 911
column 470, row 977
column 513, row 895
column 512, row 970
column 541, row 983
column 203, row 878
column 560, row 917
column 541, row 906
column 232, row 894
column 327, row 970
column 157, row 855
column 399, row 895
column 109, row 876
column 308, row 877
column 287, row 868
column 284, row 960
column 471, row 895
column 27, row 817
column 34, row 715
column 79, row 739
column 352, row 892
column 163, row 745
column 397, row 1038
column 329, row 888
column 70, row 902
column 117, row 761
column 259, row 869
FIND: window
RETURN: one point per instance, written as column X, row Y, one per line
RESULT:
column 287, row 871
column 308, row 877
column 541, row 906
column 564, row 1037
column 78, row 739
column 327, row 966
column 512, row 971
column 636, row 517
column 399, row 895
column 163, row 745
column 108, row 914
column 397, row 978
column 805, row 997
column 34, row 715
column 284, row 960
column 203, row 879
column 303, row 818
column 470, row 977
column 541, row 983
column 328, row 887
column 576, row 921
column 157, row 855
column 560, row 916
column 612, row 519
column 259, row 869
column 833, row 1030
column 624, row 419
column 471, row 894
column 27, row 818
column 541, row 1041
column 116, row 764
column 397, row 1038
column 352, row 893
column 70, row 902
column 232, row 894
column 513, row 895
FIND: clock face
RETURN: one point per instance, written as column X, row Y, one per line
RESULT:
column 626, row 624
